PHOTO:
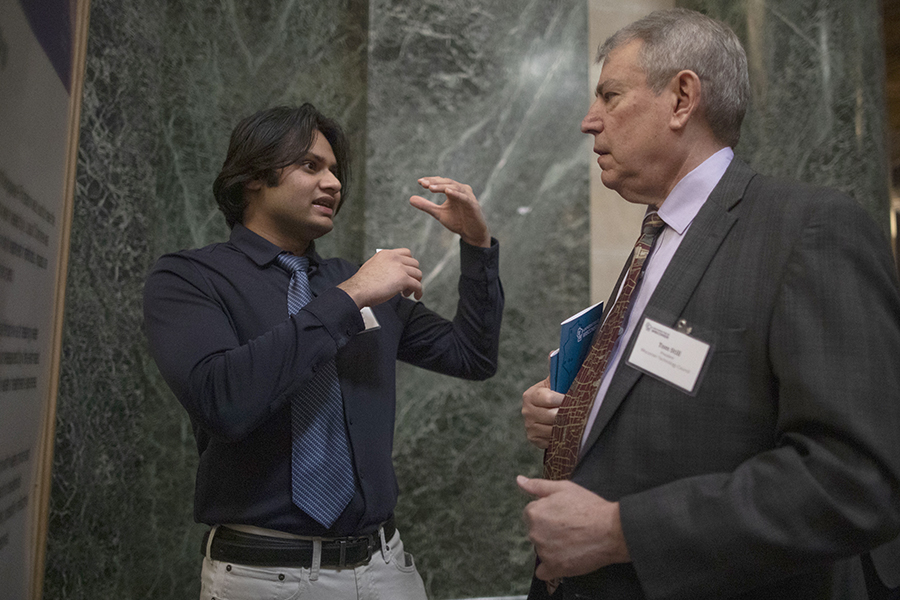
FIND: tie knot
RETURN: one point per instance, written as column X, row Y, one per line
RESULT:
column 652, row 224
column 291, row 263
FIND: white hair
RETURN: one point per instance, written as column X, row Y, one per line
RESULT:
column 679, row 39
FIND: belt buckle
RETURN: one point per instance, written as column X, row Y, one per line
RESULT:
column 342, row 558
column 370, row 544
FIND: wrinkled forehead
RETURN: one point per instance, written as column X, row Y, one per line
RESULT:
column 629, row 53
column 624, row 62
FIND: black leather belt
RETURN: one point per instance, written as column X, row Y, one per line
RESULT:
column 233, row 546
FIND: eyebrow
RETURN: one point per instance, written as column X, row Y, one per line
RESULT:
column 320, row 159
column 602, row 85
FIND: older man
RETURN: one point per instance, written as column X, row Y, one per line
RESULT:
column 734, row 431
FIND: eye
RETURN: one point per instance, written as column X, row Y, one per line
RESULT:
column 607, row 96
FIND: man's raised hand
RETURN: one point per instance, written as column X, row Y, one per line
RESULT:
column 460, row 212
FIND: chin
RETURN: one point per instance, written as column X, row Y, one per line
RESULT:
column 315, row 231
column 319, row 232
column 608, row 179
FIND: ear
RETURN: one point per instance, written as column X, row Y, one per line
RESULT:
column 254, row 185
column 686, row 90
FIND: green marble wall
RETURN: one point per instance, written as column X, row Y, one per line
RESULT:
column 165, row 83
column 492, row 96
column 490, row 93
column 817, row 76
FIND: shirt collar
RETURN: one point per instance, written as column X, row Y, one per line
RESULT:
column 262, row 251
column 688, row 196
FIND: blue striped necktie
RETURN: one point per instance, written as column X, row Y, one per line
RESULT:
column 322, row 480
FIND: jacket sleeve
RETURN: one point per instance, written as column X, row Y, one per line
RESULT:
column 829, row 486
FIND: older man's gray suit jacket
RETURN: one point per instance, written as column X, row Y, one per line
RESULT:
column 785, row 465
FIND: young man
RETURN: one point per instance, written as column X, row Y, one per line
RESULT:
column 291, row 393
column 733, row 433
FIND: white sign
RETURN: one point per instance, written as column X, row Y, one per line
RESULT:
column 38, row 116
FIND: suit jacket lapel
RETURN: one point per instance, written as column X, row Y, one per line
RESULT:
column 690, row 261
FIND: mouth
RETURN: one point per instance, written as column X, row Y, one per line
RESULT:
column 327, row 204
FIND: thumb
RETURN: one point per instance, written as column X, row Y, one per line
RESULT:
column 540, row 488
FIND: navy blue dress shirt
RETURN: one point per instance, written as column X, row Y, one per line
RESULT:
column 216, row 320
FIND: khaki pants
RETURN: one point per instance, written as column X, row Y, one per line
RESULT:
column 388, row 576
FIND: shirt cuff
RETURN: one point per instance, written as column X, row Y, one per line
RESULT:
column 338, row 313
column 480, row 263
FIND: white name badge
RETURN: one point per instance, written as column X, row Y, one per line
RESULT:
column 669, row 355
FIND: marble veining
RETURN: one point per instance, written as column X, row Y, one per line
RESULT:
column 488, row 93
column 165, row 83
column 817, row 79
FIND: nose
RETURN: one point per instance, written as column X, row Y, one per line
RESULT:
column 592, row 122
column 330, row 181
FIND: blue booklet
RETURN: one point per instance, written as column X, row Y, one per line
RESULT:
column 575, row 336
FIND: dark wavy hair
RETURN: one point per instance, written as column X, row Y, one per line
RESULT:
column 268, row 141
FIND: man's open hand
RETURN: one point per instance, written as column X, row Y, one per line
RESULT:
column 460, row 212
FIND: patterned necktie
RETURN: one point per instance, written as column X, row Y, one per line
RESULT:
column 572, row 416
column 322, row 480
